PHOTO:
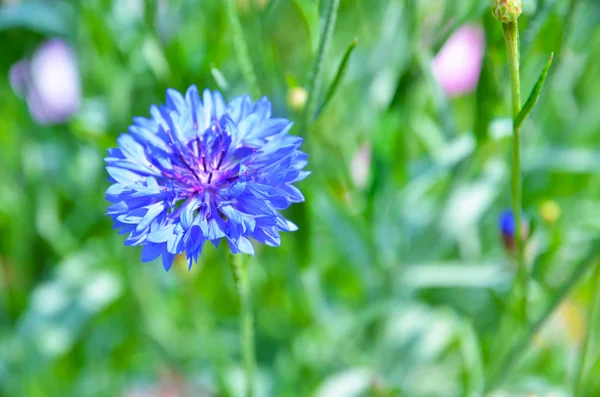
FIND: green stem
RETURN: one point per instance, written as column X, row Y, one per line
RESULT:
column 519, row 290
column 511, row 38
column 338, row 76
column 241, row 48
column 594, row 313
column 239, row 270
column 317, row 69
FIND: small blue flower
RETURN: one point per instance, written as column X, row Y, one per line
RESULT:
column 506, row 223
column 203, row 170
column 507, row 226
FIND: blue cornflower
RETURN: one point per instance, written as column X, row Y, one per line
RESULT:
column 203, row 170
column 506, row 223
column 507, row 226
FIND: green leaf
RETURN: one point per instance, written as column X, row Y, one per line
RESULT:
column 314, row 81
column 534, row 96
column 505, row 362
column 39, row 17
column 590, row 351
column 310, row 13
column 219, row 78
column 349, row 382
column 338, row 76
column 241, row 48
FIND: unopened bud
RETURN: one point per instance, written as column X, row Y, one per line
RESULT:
column 550, row 211
column 506, row 11
column 297, row 97
column 507, row 226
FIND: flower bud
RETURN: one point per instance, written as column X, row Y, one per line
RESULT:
column 297, row 97
column 506, row 11
column 361, row 165
column 507, row 226
column 49, row 81
column 457, row 65
column 550, row 211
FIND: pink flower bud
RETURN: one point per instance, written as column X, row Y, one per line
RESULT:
column 457, row 66
column 50, row 82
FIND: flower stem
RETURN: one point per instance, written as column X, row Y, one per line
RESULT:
column 241, row 48
column 594, row 313
column 314, row 81
column 511, row 38
column 338, row 76
column 518, row 296
column 239, row 270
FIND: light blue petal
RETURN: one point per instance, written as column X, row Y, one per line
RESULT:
column 219, row 104
column 209, row 109
column 123, row 176
column 162, row 235
column 175, row 100
column 245, row 246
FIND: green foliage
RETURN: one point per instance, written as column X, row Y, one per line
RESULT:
column 394, row 286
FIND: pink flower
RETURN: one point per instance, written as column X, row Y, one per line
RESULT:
column 49, row 81
column 457, row 66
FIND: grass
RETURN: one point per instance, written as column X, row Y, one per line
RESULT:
column 396, row 286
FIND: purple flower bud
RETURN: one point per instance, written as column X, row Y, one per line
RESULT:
column 50, row 82
column 457, row 66
column 19, row 77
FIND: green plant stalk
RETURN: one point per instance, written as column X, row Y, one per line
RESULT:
column 338, row 76
column 594, row 313
column 239, row 271
column 519, row 348
column 241, row 48
column 518, row 294
column 314, row 80
column 511, row 38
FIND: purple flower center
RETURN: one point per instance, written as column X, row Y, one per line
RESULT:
column 207, row 166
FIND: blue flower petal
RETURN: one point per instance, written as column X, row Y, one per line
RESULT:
column 123, row 176
column 244, row 245
column 175, row 100
column 167, row 260
column 162, row 235
column 151, row 251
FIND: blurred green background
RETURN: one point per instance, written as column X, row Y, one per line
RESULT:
column 396, row 283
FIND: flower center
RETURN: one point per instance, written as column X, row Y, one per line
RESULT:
column 204, row 162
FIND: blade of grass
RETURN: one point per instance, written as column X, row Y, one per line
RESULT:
column 520, row 347
column 534, row 96
column 271, row 5
column 310, row 13
column 317, row 70
column 241, row 48
column 590, row 335
column 338, row 76
column 219, row 78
